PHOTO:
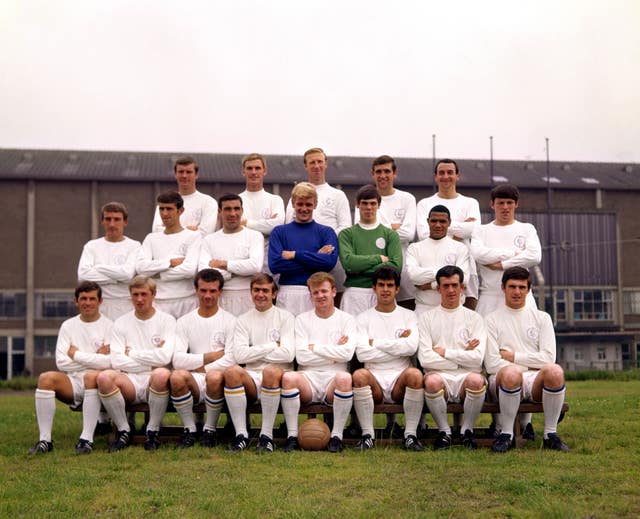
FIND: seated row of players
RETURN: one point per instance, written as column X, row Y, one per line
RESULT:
column 208, row 346
column 172, row 253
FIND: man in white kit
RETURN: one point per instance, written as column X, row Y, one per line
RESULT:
column 520, row 360
column 397, row 211
column 200, row 210
column 465, row 216
column 426, row 257
column 388, row 339
column 332, row 208
column 325, row 340
column 262, row 211
column 141, row 349
column 110, row 261
column 202, row 352
column 503, row 243
column 264, row 343
column 171, row 258
column 237, row 252
column 453, row 342
column 82, row 350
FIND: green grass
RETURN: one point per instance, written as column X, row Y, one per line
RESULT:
column 600, row 477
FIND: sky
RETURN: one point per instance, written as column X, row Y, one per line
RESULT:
column 357, row 78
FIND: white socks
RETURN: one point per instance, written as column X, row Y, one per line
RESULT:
column 269, row 401
column 363, row 404
column 342, row 402
column 237, row 405
column 473, row 402
column 438, row 408
column 214, row 409
column 157, row 401
column 290, row 402
column 90, row 412
column 45, row 410
column 184, row 408
column 509, row 403
column 412, row 406
column 114, row 404
column 552, row 400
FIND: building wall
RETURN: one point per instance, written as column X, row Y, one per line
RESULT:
column 13, row 234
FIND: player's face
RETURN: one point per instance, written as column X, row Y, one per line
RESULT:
column 113, row 225
column 515, row 293
column 231, row 215
column 169, row 214
column 368, row 210
column 254, row 172
column 505, row 210
column 88, row 304
column 316, row 166
column 186, row 177
column 383, row 176
column 208, row 293
column 142, row 299
column 438, row 225
column 303, row 208
column 446, row 176
column 386, row 291
column 450, row 291
column 323, row 295
column 262, row 295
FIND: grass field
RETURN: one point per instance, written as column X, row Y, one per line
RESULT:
column 600, row 477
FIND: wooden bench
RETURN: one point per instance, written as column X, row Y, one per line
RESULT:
column 484, row 435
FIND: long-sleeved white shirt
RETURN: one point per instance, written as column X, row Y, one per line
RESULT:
column 452, row 329
column 110, row 264
column 388, row 350
column 324, row 334
column 263, row 338
column 155, row 254
column 460, row 208
column 528, row 332
column 150, row 342
column 332, row 210
column 87, row 337
column 199, row 209
column 197, row 335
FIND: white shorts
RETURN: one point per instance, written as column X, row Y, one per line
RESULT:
column 528, row 378
column 178, row 306
column 77, row 384
column 256, row 376
column 452, row 384
column 199, row 379
column 319, row 382
column 387, row 380
column 140, row 383
column 296, row 299
column 114, row 308
column 236, row 302
column 356, row 300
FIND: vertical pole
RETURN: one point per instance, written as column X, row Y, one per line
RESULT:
column 433, row 161
column 490, row 161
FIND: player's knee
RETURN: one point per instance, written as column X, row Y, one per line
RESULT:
column 271, row 376
column 433, row 383
column 343, row 381
column 214, row 379
column 159, row 378
column 554, row 375
column 361, row 378
column 90, row 379
column 46, row 381
column 510, row 377
column 414, row 378
column 288, row 380
column 475, row 382
column 105, row 380
column 233, row 376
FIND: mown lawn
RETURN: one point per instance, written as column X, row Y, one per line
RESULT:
column 598, row 478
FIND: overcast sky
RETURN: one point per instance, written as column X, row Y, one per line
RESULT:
column 357, row 78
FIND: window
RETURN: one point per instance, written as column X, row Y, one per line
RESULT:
column 13, row 305
column 602, row 353
column 45, row 345
column 11, row 357
column 593, row 305
column 578, row 354
column 631, row 302
column 55, row 305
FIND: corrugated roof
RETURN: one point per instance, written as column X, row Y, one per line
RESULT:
column 223, row 167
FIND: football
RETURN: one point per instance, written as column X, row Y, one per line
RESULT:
column 313, row 435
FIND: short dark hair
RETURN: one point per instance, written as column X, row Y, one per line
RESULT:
column 519, row 273
column 384, row 159
column 262, row 278
column 505, row 191
column 185, row 161
column 171, row 197
column 209, row 276
column 228, row 197
column 114, row 207
column 445, row 161
column 88, row 286
column 368, row 192
column 448, row 271
column 386, row 272
column 439, row 209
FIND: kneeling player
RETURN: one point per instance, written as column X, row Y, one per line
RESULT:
column 388, row 338
column 325, row 339
column 82, row 347
column 264, row 343
column 452, row 345
column 521, row 352
column 203, row 339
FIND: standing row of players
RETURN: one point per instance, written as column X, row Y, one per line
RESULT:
column 145, row 356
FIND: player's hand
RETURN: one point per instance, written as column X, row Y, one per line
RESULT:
column 470, row 219
column 396, row 226
column 495, row 266
column 439, row 350
column 370, row 342
column 174, row 262
column 343, row 340
column 243, row 222
column 288, row 254
column 192, row 227
column 384, row 258
column 471, row 345
column 218, row 264
column 72, row 350
column 326, row 249
column 405, row 333
column 127, row 349
column 507, row 355
column 424, row 286
column 104, row 349
column 310, row 347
